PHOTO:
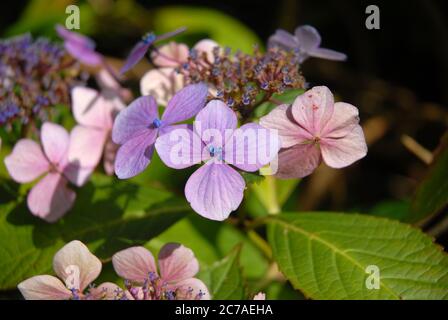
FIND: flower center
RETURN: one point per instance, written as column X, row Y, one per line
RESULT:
column 215, row 152
column 149, row 38
column 157, row 123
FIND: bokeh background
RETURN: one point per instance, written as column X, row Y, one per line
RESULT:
column 397, row 76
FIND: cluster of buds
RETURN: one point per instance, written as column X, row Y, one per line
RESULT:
column 154, row 288
column 34, row 76
column 243, row 80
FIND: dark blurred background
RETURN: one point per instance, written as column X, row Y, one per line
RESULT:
column 397, row 76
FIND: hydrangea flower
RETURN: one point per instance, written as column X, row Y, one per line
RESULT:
column 80, row 47
column 142, row 47
column 216, row 189
column 95, row 113
column 50, row 198
column 163, row 82
column 76, row 268
column 137, row 127
column 305, row 42
column 174, row 281
column 315, row 128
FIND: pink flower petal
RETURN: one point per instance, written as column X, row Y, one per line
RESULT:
column 76, row 174
column 179, row 147
column 135, row 120
column 44, row 287
column 50, row 198
column 313, row 109
column 106, row 291
column 135, row 155
column 55, row 141
column 110, row 153
column 170, row 55
column 86, row 146
column 290, row 132
column 91, row 109
column 251, row 147
column 298, row 161
column 345, row 118
column 215, row 190
column 191, row 289
column 76, row 265
column 207, row 46
column 177, row 263
column 134, row 264
column 260, row 296
column 162, row 84
column 342, row 152
column 186, row 103
column 137, row 54
column 26, row 162
column 215, row 123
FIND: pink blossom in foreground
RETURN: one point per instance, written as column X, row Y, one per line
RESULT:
column 76, row 268
column 173, row 281
column 260, row 296
column 162, row 83
column 95, row 113
column 315, row 128
column 50, row 198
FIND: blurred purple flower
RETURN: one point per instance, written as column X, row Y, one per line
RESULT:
column 136, row 128
column 80, row 47
column 142, row 47
column 305, row 42
column 216, row 189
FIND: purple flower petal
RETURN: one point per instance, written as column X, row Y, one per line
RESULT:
column 215, row 190
column 328, row 54
column 179, row 147
column 282, row 39
column 307, row 37
column 252, row 147
column 135, row 155
column 137, row 54
column 135, row 119
column 215, row 123
column 186, row 103
column 80, row 47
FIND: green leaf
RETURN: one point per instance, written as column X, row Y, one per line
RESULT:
column 216, row 25
column 225, row 278
column 286, row 97
column 432, row 194
column 108, row 215
column 325, row 255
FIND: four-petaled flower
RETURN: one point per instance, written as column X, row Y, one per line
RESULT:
column 216, row 189
column 177, row 266
column 137, row 127
column 315, row 128
column 77, row 267
column 50, row 198
column 305, row 42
